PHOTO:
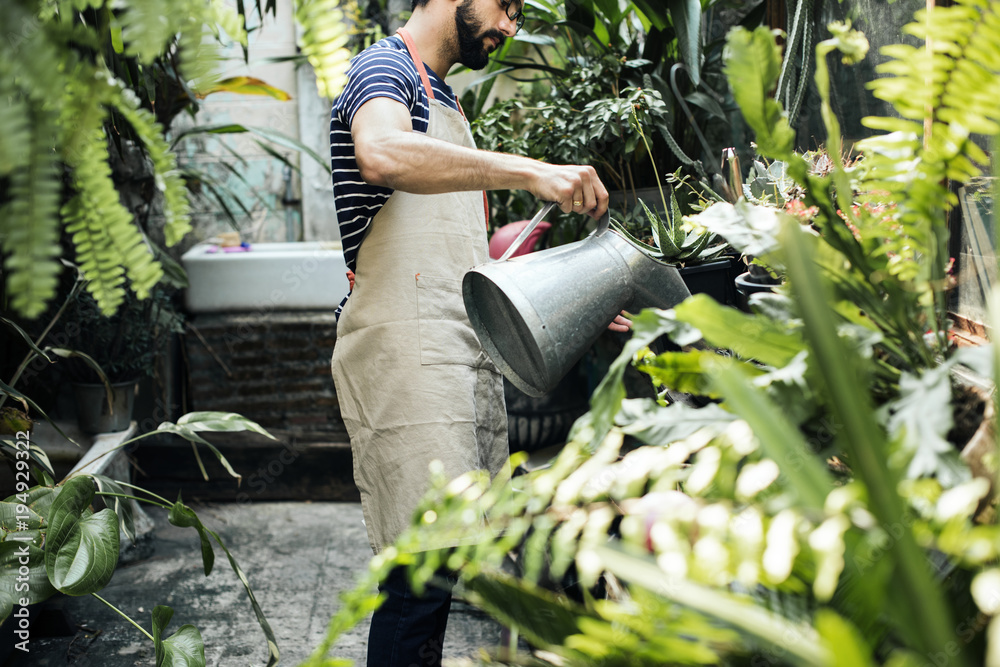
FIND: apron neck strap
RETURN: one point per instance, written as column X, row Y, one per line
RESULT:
column 411, row 46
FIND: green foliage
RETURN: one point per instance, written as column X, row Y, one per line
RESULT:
column 753, row 60
column 810, row 513
column 77, row 79
column 674, row 243
column 182, row 649
column 74, row 550
column 599, row 73
column 81, row 547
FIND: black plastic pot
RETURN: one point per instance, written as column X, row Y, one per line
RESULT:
column 746, row 285
column 713, row 278
column 94, row 415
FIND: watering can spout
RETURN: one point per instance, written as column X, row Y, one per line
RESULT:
column 537, row 314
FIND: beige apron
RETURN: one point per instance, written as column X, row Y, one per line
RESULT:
column 413, row 382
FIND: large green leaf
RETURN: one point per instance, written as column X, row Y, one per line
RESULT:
column 686, row 16
column 655, row 425
column 738, row 612
column 750, row 336
column 81, row 548
column 543, row 618
column 753, row 63
column 182, row 649
column 15, row 588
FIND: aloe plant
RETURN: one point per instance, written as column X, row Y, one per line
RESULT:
column 674, row 241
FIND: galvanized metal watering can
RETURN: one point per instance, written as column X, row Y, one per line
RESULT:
column 537, row 314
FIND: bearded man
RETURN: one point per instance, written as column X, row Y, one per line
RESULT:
column 413, row 382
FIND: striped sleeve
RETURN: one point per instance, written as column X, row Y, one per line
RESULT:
column 378, row 72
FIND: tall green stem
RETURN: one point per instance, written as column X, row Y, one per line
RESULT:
column 124, row 615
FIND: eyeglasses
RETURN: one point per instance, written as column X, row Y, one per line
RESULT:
column 517, row 17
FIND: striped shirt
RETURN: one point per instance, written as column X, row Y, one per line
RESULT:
column 384, row 69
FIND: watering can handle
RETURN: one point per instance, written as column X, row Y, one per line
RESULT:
column 602, row 227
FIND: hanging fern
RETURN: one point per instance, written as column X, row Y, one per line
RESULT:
column 57, row 90
column 176, row 207
column 324, row 36
column 149, row 26
column 29, row 224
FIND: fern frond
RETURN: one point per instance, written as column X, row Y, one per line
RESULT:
column 107, row 242
column 229, row 20
column 199, row 53
column 956, row 81
column 323, row 41
column 32, row 56
column 168, row 177
column 951, row 83
column 15, row 131
column 149, row 26
column 29, row 224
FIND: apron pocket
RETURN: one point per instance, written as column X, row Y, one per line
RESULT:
column 446, row 336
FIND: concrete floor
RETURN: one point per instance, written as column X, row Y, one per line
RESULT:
column 298, row 557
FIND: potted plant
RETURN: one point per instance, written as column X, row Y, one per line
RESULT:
column 703, row 258
column 110, row 354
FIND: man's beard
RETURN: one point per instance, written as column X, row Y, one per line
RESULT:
column 471, row 49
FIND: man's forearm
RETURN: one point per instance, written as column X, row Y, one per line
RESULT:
column 414, row 162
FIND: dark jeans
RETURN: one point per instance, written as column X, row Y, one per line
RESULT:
column 407, row 630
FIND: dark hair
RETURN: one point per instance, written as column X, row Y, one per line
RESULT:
column 418, row 3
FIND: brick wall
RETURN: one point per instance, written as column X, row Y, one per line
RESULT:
column 273, row 368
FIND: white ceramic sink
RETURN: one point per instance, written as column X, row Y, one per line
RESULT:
column 308, row 275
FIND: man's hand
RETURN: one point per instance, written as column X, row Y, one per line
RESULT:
column 621, row 324
column 575, row 188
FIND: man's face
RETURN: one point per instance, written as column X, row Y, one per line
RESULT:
column 474, row 43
